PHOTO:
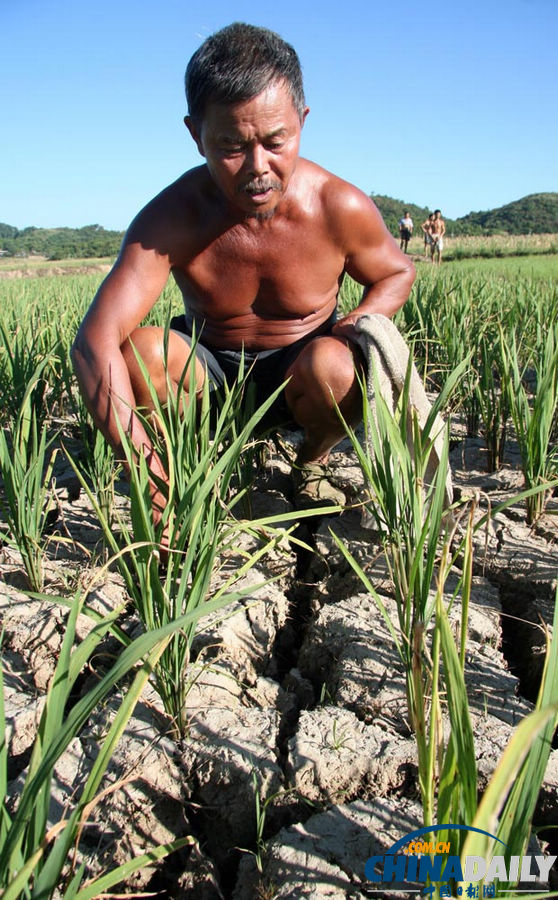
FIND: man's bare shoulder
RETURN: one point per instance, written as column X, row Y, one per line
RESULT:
column 345, row 206
column 333, row 190
column 166, row 222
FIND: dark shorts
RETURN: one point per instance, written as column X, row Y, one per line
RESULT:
column 405, row 234
column 267, row 368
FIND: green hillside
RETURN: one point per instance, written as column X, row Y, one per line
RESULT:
column 534, row 214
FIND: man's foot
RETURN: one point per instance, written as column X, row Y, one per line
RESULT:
column 312, row 487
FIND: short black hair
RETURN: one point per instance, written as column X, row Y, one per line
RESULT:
column 238, row 63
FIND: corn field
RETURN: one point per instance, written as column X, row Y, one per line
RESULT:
column 281, row 695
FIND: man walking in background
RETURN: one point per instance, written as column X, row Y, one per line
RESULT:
column 405, row 231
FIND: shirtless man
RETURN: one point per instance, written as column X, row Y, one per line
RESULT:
column 437, row 232
column 258, row 241
column 426, row 227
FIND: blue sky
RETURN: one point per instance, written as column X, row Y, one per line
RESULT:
column 449, row 105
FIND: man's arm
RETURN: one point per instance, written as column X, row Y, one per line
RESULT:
column 123, row 300
column 372, row 258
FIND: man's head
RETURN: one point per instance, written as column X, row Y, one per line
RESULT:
column 437, row 213
column 236, row 64
column 244, row 90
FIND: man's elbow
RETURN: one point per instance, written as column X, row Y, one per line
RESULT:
column 76, row 352
column 81, row 352
column 409, row 273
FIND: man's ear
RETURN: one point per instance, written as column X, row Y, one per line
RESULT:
column 192, row 128
column 304, row 114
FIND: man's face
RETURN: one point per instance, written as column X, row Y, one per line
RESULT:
column 251, row 148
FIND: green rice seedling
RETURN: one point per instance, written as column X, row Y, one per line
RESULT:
column 200, row 452
column 35, row 856
column 36, row 326
column 458, row 327
column 534, row 419
column 26, row 466
column 492, row 399
column 414, row 320
column 97, row 462
column 406, row 502
column 22, row 362
column 262, row 803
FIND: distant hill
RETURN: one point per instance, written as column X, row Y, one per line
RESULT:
column 535, row 214
column 60, row 243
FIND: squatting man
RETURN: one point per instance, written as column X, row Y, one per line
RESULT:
column 258, row 240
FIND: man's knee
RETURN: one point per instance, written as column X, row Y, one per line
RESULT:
column 327, row 365
column 146, row 344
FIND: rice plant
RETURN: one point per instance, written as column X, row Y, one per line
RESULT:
column 96, row 461
column 492, row 399
column 534, row 417
column 26, row 466
column 406, row 503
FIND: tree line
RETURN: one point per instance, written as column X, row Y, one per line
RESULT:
column 534, row 214
column 60, row 243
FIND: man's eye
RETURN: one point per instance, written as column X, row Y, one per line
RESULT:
column 274, row 145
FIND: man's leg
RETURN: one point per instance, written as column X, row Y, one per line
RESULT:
column 148, row 343
column 323, row 376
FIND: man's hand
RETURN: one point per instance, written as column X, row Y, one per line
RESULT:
column 345, row 327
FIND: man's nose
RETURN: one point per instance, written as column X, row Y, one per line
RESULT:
column 256, row 160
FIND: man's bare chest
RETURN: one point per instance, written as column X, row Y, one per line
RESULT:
column 241, row 271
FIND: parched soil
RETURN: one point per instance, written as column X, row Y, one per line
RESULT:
column 298, row 696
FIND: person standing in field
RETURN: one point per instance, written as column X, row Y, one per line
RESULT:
column 437, row 232
column 426, row 228
column 258, row 240
column 405, row 231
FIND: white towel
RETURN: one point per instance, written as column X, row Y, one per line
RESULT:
column 384, row 348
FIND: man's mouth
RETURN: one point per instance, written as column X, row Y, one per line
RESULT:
column 260, row 190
